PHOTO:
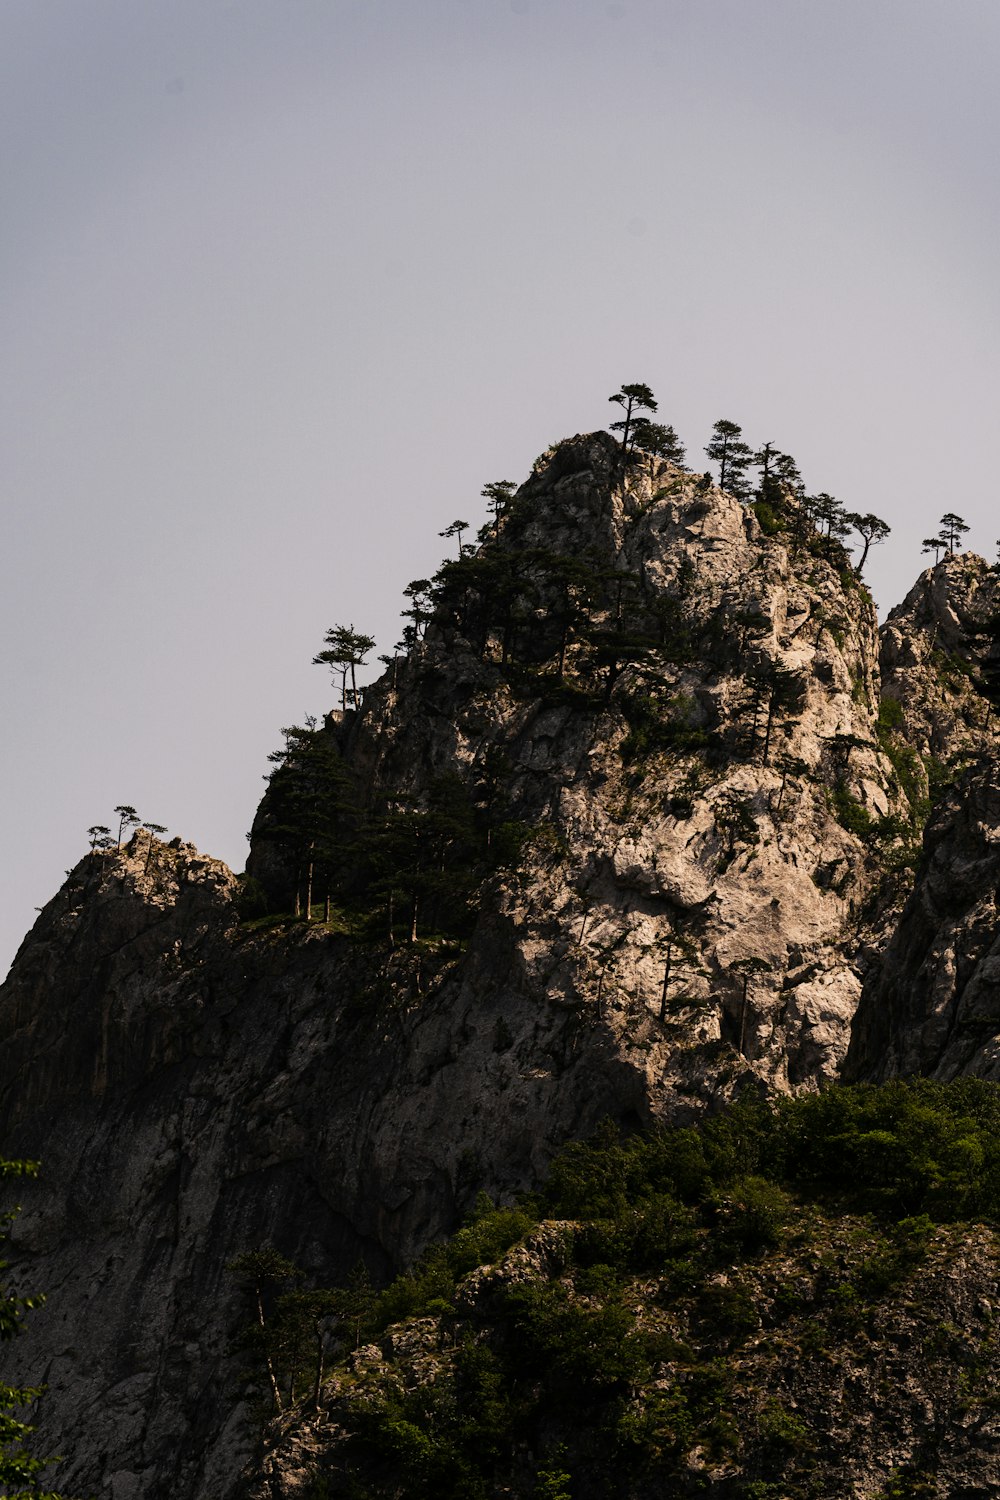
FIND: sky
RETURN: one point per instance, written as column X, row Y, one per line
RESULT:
column 284, row 283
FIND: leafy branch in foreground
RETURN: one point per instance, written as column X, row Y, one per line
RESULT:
column 20, row 1472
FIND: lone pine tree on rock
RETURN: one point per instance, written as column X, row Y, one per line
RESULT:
column 499, row 494
column 455, row 529
column 346, row 649
column 127, row 818
column 872, row 531
column 953, row 528
column 631, row 398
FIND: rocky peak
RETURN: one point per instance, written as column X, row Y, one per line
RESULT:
column 695, row 725
column 76, row 988
column 940, row 658
column 603, row 843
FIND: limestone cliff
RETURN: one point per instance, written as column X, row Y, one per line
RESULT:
column 930, row 1005
column 689, row 731
column 940, row 658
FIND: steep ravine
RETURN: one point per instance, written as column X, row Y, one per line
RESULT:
column 718, row 797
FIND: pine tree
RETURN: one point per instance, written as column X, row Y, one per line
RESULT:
column 828, row 513
column 631, row 398
column 455, row 529
column 872, row 531
column 499, row 494
column 312, row 810
column 727, row 449
column 127, row 818
column 656, row 441
column 346, row 649
column 262, row 1273
column 953, row 528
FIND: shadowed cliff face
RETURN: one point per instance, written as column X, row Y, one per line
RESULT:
column 931, row 1003
column 695, row 754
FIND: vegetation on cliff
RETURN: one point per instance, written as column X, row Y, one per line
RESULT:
column 21, row 1472
column 676, row 1312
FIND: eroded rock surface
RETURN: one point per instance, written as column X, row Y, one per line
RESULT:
column 932, row 1004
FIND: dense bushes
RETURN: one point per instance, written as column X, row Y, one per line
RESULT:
column 615, row 1349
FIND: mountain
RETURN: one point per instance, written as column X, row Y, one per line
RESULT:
column 632, row 830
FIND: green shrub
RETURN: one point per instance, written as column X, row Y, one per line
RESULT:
column 852, row 815
column 748, row 1216
column 768, row 518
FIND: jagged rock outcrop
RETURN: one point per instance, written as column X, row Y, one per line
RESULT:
column 694, row 751
column 730, row 830
column 940, row 658
column 931, row 1003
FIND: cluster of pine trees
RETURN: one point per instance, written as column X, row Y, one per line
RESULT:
column 551, row 621
column 396, row 867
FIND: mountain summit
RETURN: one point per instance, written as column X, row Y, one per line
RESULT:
column 630, row 830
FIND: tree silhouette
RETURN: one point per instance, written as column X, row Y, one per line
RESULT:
column 727, row 449
column 499, row 494
column 871, row 530
column 455, row 529
column 631, row 398
column 422, row 856
column 827, row 512
column 261, row 1273
column 933, row 544
column 953, row 528
column 772, row 688
column 680, row 961
column 100, row 837
column 656, row 442
column 747, row 969
column 420, row 611
column 312, row 810
column 154, row 830
column 764, row 459
column 127, row 818
column 346, row 649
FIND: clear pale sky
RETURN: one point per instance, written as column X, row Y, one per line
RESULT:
column 285, row 282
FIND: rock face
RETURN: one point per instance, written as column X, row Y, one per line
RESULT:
column 940, row 658
column 931, row 1004
column 690, row 732
column 698, row 801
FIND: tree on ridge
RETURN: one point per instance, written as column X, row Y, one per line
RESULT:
column 499, row 494
column 127, row 818
column 656, row 441
column 346, row 649
column 953, row 528
column 872, row 531
column 455, row 529
column 727, row 449
column 631, row 398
